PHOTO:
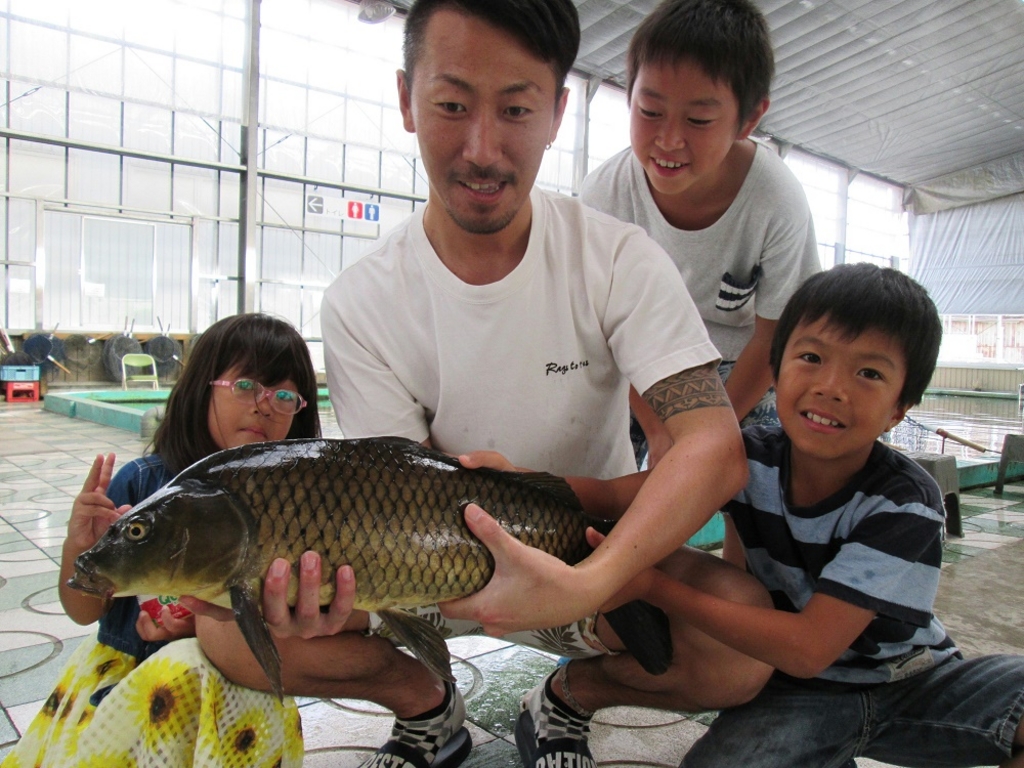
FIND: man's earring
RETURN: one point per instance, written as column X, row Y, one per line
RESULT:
column 548, row 146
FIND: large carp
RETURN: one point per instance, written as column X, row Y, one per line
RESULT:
column 388, row 507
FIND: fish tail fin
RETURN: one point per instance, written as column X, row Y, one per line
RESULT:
column 422, row 638
column 254, row 629
column 644, row 630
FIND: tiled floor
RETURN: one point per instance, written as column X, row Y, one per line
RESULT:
column 44, row 458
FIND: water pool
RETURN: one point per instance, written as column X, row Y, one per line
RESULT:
column 128, row 409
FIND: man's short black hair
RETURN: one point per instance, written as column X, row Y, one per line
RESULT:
column 548, row 28
column 728, row 39
column 859, row 297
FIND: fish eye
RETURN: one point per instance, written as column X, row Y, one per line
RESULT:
column 136, row 531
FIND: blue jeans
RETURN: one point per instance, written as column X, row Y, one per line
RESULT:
column 961, row 713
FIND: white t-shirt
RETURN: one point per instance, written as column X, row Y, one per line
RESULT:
column 749, row 261
column 536, row 365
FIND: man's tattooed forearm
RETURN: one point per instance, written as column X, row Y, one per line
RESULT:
column 687, row 390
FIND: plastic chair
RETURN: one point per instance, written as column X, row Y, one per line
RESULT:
column 139, row 360
column 1013, row 450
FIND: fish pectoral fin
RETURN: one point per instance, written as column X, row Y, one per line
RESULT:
column 644, row 630
column 422, row 638
column 245, row 604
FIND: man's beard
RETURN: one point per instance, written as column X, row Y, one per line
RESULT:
column 488, row 226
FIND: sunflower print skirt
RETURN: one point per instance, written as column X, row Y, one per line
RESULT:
column 174, row 710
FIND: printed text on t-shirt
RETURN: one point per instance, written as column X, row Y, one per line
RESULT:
column 564, row 368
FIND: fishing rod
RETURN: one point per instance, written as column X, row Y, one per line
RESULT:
column 944, row 435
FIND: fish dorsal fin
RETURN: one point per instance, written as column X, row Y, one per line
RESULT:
column 553, row 485
column 400, row 442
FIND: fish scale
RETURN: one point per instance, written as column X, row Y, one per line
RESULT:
column 389, row 507
column 381, row 509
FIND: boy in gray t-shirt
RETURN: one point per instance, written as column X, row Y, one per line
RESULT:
column 729, row 212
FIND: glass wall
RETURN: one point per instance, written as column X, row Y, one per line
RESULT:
column 825, row 186
column 122, row 125
column 122, row 137
column 983, row 338
column 122, row 129
column 609, row 125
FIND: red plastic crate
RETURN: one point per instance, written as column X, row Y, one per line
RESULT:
column 22, row 391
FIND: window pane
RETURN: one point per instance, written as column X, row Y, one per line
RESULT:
column 95, row 65
column 281, row 152
column 21, row 303
column 285, row 105
column 117, row 272
column 95, row 119
column 877, row 227
column 147, row 128
column 94, row 177
column 362, row 167
column 195, row 191
column 195, row 137
column 281, row 255
column 825, row 185
column 197, row 87
column 229, row 195
column 282, row 300
column 62, row 300
column 36, row 169
column 325, row 159
column 147, row 185
column 609, row 125
column 228, row 249
column 38, row 52
column 172, row 277
column 282, row 203
column 363, row 124
column 396, row 172
column 38, row 109
column 327, row 115
column 321, row 258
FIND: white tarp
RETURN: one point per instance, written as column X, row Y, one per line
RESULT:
column 971, row 259
column 994, row 179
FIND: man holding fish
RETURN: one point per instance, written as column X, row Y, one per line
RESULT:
column 506, row 319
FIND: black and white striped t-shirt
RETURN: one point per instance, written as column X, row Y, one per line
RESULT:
column 877, row 544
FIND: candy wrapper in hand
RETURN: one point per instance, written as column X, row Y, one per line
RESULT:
column 153, row 605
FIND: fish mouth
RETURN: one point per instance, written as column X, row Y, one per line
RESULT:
column 87, row 580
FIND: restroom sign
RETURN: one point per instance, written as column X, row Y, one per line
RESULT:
column 341, row 208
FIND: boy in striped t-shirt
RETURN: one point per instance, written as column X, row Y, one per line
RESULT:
column 846, row 534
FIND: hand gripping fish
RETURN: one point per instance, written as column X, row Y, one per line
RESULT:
column 389, row 507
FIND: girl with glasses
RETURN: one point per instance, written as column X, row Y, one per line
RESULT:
column 249, row 378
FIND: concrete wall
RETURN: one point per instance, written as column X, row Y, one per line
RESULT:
column 978, row 378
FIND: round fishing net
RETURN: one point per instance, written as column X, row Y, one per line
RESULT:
column 82, row 352
column 166, row 352
column 116, row 348
column 44, row 350
column 18, row 359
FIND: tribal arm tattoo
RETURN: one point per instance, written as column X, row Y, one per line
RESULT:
column 686, row 391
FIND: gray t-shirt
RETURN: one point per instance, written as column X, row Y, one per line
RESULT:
column 748, row 262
